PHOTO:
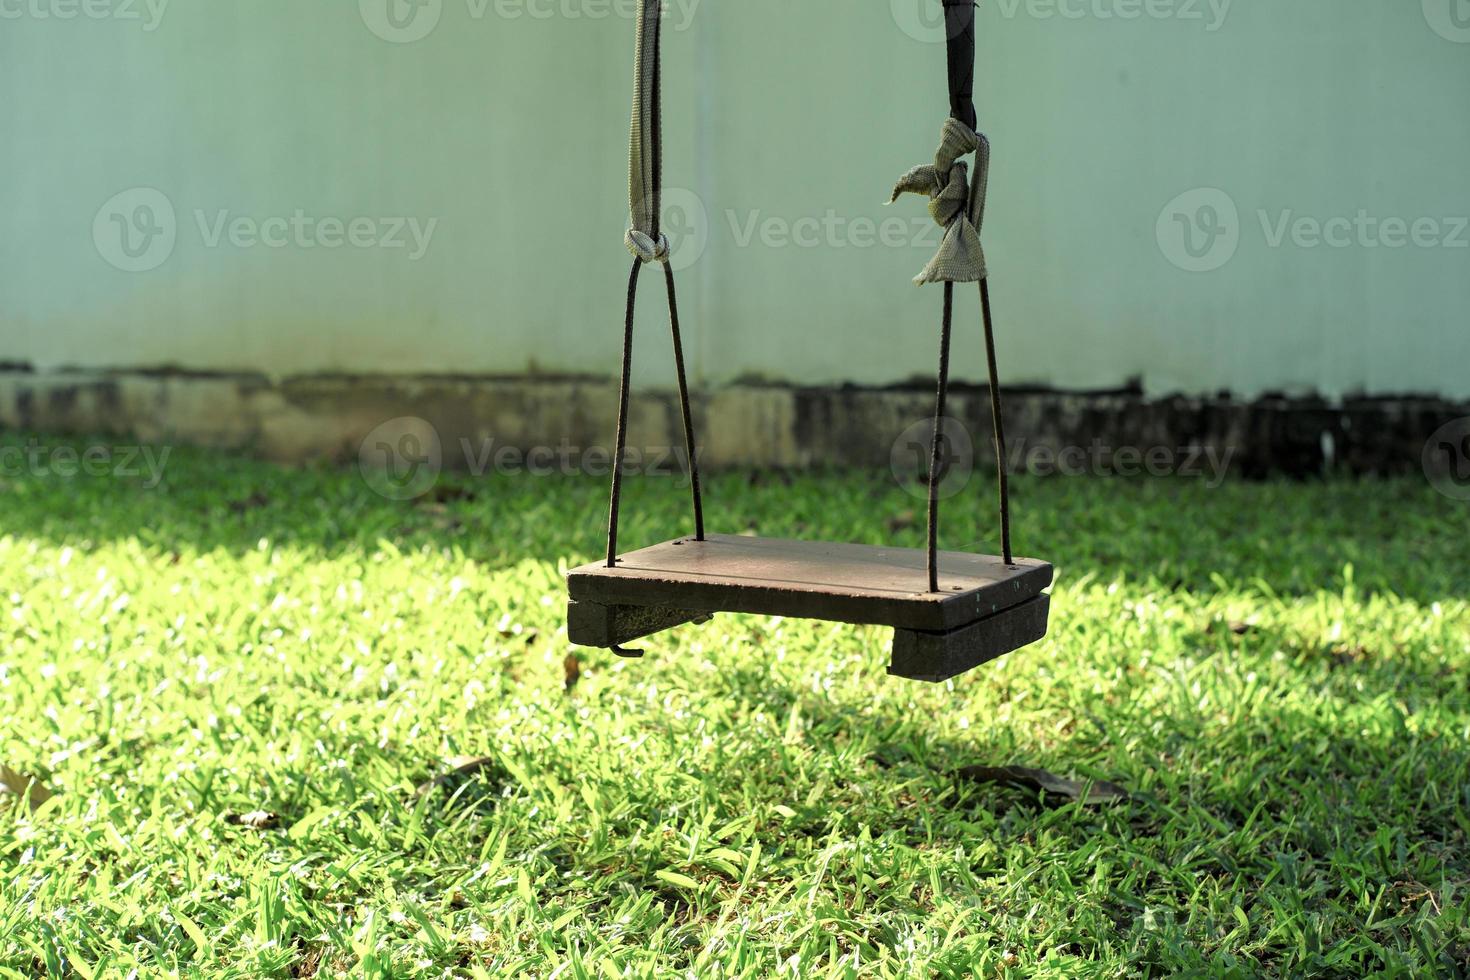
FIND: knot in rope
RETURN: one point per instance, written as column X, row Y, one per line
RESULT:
column 955, row 205
column 647, row 248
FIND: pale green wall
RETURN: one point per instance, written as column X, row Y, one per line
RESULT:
column 511, row 131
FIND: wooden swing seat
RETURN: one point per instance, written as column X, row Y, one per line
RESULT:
column 949, row 611
column 984, row 608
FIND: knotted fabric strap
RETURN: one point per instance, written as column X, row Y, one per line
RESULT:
column 956, row 205
column 645, row 141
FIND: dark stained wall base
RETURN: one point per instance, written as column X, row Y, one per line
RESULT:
column 306, row 418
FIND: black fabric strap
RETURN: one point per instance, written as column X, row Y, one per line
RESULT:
column 959, row 28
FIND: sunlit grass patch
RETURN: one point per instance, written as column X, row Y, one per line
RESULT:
column 1276, row 672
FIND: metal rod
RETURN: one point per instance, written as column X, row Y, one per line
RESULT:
column 690, row 444
column 939, row 400
column 999, row 424
column 621, row 439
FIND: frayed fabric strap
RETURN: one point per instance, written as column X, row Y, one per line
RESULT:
column 955, row 203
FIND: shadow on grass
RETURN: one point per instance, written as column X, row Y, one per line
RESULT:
column 1285, row 538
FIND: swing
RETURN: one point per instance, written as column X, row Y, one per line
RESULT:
column 950, row 612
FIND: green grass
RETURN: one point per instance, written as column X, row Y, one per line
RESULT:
column 755, row 796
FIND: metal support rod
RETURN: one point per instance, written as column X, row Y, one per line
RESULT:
column 999, row 424
column 934, row 457
column 621, row 439
column 690, row 444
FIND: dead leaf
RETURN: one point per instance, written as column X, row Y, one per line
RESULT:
column 255, row 501
column 444, row 492
column 28, row 787
column 1348, row 656
column 254, row 820
column 1096, row 791
column 573, row 669
column 462, row 768
column 1237, row 626
column 902, row 521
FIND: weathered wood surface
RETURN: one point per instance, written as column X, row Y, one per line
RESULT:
column 936, row 657
column 849, row 583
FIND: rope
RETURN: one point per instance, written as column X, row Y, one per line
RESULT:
column 644, row 240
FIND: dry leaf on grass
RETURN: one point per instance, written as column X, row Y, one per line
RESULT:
column 27, row 787
column 1095, row 791
column 461, row 770
column 902, row 521
column 254, row 820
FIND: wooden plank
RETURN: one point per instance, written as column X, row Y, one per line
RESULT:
column 592, row 624
column 934, row 657
column 847, row 583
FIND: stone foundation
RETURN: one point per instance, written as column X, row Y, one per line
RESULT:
column 305, row 418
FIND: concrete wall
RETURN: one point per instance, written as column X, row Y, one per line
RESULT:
column 500, row 134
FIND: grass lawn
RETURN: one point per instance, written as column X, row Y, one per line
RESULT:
column 1277, row 672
